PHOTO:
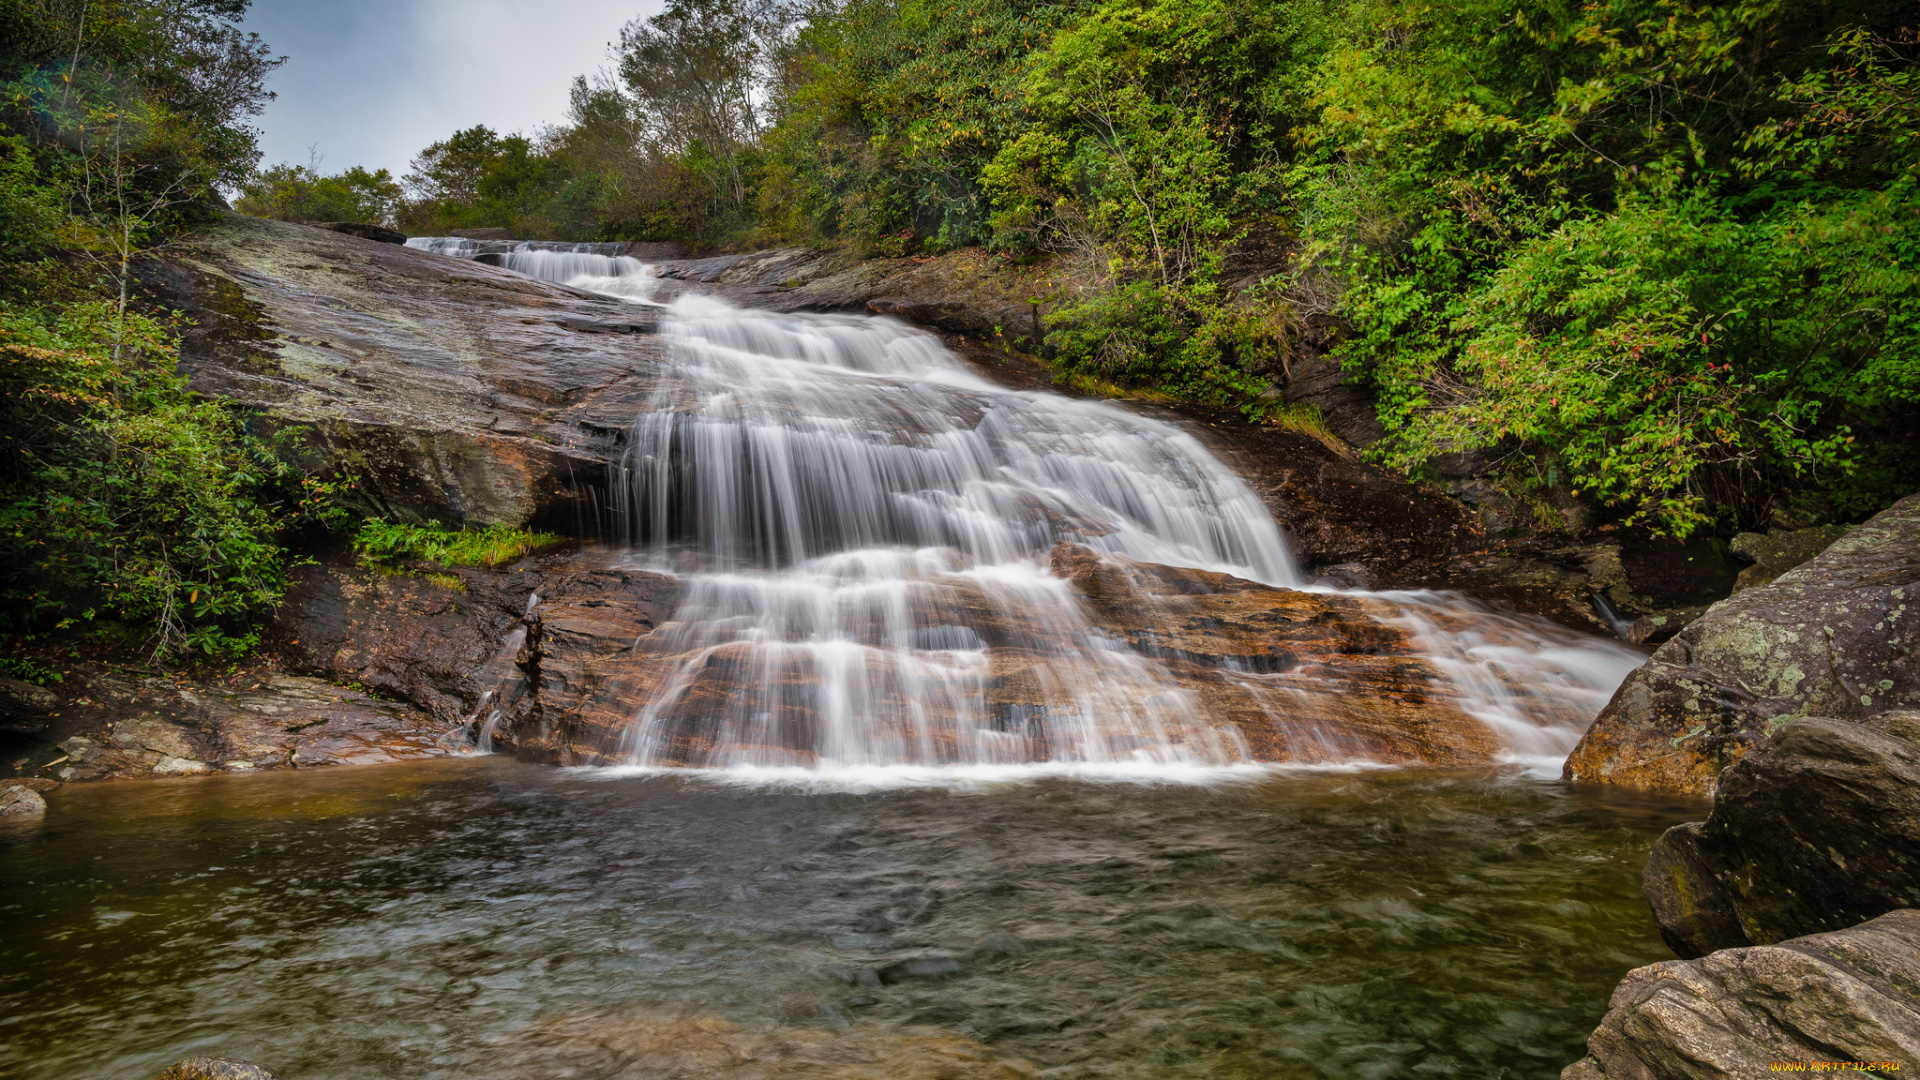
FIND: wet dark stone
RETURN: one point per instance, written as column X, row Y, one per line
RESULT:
column 24, row 707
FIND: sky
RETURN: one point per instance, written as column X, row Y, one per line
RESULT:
column 371, row 82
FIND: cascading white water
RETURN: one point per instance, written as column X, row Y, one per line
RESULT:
column 864, row 529
column 583, row 266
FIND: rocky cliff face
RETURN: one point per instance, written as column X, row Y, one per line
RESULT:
column 1834, row 637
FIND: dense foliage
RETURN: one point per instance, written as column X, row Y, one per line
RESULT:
column 128, row 506
column 1658, row 253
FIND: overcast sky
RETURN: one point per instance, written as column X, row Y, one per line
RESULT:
column 370, row 82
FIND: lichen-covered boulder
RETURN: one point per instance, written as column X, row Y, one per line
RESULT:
column 1848, row 996
column 1817, row 830
column 1836, row 637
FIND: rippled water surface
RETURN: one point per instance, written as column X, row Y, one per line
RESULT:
column 487, row 918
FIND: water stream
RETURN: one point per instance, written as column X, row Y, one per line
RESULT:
column 865, row 527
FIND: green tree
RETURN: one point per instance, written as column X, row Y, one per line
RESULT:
column 303, row 193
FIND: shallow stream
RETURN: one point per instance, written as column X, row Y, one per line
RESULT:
column 484, row 918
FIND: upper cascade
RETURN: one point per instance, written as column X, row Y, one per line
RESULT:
column 877, row 550
column 596, row 267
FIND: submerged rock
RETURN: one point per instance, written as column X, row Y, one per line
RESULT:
column 1833, row 637
column 1848, row 996
column 1817, row 830
column 646, row 1046
column 216, row 1068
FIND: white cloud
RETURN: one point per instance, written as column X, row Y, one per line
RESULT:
column 369, row 82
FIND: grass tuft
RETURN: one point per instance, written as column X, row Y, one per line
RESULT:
column 383, row 543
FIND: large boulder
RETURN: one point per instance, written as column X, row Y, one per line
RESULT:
column 1817, row 830
column 1834, row 637
column 1812, row 1003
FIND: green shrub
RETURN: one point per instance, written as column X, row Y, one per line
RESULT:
column 124, row 499
column 383, row 543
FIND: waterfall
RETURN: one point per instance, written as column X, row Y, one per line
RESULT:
column 864, row 530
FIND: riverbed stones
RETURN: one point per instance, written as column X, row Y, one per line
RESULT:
column 1835, row 637
column 1851, row 995
column 216, row 1068
column 1816, row 830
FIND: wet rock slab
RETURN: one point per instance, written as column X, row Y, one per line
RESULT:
column 120, row 724
column 1835, row 637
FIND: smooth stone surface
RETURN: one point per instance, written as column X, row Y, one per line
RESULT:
column 1848, row 996
column 1815, row 831
column 1836, row 637
column 447, row 389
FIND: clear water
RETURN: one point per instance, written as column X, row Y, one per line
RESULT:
column 407, row 921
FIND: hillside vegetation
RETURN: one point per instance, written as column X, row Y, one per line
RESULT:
column 131, row 512
column 1656, row 253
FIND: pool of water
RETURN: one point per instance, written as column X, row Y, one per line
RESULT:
column 480, row 918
